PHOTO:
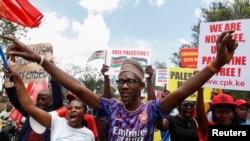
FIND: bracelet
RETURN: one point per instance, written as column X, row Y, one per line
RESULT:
column 42, row 60
column 212, row 68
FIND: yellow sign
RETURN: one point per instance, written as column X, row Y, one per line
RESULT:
column 177, row 76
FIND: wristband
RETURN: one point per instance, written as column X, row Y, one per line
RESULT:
column 212, row 68
column 42, row 59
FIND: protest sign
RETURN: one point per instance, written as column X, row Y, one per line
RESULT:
column 234, row 75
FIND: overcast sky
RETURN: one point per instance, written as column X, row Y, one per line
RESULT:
column 77, row 28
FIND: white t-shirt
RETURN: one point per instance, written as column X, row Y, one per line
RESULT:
column 61, row 131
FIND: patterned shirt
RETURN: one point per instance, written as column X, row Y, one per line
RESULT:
column 134, row 125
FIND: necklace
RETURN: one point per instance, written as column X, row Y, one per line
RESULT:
column 186, row 122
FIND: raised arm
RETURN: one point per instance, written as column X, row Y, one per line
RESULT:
column 150, row 88
column 106, row 90
column 56, row 94
column 38, row 114
column 67, row 81
column 201, row 114
column 13, row 98
column 225, row 50
column 162, row 124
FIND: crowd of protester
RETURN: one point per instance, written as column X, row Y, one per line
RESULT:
column 177, row 118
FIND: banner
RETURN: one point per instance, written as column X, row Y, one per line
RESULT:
column 177, row 76
column 116, row 56
column 21, row 12
column 234, row 75
column 31, row 71
column 189, row 57
column 161, row 77
column 99, row 54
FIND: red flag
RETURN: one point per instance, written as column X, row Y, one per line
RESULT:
column 21, row 12
column 34, row 88
column 16, row 116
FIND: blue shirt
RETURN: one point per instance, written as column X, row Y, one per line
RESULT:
column 246, row 122
column 165, row 136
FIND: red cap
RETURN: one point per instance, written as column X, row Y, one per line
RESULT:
column 223, row 99
column 240, row 102
column 70, row 97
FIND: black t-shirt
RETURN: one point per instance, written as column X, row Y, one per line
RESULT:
column 182, row 129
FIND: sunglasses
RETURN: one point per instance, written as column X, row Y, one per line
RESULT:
column 129, row 82
column 188, row 105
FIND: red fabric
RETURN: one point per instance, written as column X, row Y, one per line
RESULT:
column 204, row 137
column 35, row 88
column 16, row 116
column 62, row 112
column 70, row 97
column 21, row 12
column 222, row 99
column 33, row 136
column 240, row 102
column 91, row 124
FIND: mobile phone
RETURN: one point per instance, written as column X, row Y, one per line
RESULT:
column 5, row 64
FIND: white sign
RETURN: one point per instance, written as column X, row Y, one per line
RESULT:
column 160, row 77
column 116, row 56
column 235, row 75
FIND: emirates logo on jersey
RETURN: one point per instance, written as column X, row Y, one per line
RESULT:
column 143, row 117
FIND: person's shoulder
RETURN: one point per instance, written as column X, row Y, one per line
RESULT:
column 247, row 122
column 153, row 101
column 172, row 117
column 109, row 99
column 174, row 112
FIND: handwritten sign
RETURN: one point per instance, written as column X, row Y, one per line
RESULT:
column 31, row 71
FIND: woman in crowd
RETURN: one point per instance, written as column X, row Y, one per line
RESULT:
column 61, row 129
column 223, row 113
column 182, row 127
column 241, row 109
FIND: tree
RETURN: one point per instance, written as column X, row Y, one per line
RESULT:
column 176, row 56
column 74, row 71
column 10, row 28
column 221, row 11
column 7, row 27
column 175, row 59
